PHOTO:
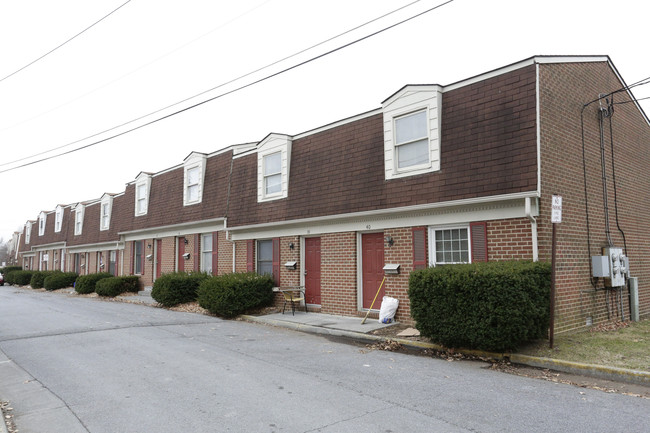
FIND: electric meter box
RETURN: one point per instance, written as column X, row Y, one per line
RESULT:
column 617, row 267
column 600, row 266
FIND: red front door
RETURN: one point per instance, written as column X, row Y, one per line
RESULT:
column 312, row 270
column 181, row 252
column 372, row 264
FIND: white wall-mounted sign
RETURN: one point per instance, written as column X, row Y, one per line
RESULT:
column 556, row 209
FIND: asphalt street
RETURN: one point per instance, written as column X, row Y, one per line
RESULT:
column 71, row 364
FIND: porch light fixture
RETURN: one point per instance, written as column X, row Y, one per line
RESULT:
column 390, row 241
column 291, row 245
column 185, row 241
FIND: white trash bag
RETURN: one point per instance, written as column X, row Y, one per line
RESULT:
column 388, row 309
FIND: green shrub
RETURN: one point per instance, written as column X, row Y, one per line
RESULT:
column 86, row 283
column 492, row 306
column 38, row 278
column 4, row 271
column 20, row 278
column 113, row 286
column 60, row 280
column 233, row 294
column 177, row 288
column 131, row 283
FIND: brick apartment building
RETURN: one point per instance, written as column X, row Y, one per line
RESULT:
column 437, row 175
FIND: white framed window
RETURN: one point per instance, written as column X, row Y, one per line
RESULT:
column 412, row 141
column 412, row 131
column 42, row 218
column 273, row 163
column 78, row 219
column 28, row 232
column 272, row 174
column 142, row 190
column 265, row 257
column 105, row 211
column 58, row 219
column 206, row 253
column 194, row 175
column 449, row 245
column 138, row 257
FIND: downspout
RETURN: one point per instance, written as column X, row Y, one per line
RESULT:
column 533, row 228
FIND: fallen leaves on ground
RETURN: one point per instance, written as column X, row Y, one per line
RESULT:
column 609, row 326
column 7, row 416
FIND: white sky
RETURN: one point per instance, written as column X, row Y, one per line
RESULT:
column 153, row 53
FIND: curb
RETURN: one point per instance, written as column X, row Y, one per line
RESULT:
column 600, row 371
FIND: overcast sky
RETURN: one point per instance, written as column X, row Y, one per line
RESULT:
column 150, row 54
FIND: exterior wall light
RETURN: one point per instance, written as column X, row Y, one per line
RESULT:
column 390, row 241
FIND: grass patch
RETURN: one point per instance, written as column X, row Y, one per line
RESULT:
column 614, row 345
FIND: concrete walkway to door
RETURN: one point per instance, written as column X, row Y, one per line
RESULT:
column 329, row 324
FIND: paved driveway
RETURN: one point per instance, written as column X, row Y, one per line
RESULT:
column 82, row 365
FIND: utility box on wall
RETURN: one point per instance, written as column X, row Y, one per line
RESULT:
column 617, row 266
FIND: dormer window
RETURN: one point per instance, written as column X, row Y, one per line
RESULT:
column 194, row 174
column 105, row 212
column 142, row 188
column 412, row 131
column 58, row 218
column 78, row 219
column 42, row 218
column 273, row 162
column 273, row 174
column 28, row 232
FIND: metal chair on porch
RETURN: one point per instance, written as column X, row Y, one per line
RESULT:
column 294, row 295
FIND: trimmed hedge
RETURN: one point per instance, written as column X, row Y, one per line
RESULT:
column 86, row 283
column 492, row 306
column 38, row 278
column 4, row 271
column 114, row 286
column 20, row 278
column 177, row 288
column 131, row 283
column 233, row 294
column 60, row 280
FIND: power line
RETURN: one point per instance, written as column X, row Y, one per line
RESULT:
column 62, row 44
column 244, row 86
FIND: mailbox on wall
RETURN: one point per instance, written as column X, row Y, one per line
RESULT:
column 392, row 269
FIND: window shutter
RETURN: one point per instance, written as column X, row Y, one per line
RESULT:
column 419, row 247
column 143, row 255
column 479, row 241
column 117, row 263
column 197, row 252
column 276, row 261
column 215, row 251
column 250, row 255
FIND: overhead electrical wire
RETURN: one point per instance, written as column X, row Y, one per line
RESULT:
column 244, row 86
column 68, row 40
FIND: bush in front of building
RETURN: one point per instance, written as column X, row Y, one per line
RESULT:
column 60, row 280
column 38, row 278
column 114, row 286
column 233, row 294
column 177, row 288
column 4, row 271
column 19, row 278
column 494, row 306
column 86, row 283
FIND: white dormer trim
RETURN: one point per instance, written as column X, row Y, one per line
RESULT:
column 273, row 144
column 79, row 219
column 142, row 194
column 58, row 218
column 193, row 178
column 410, row 100
column 28, row 232
column 42, row 219
column 105, row 212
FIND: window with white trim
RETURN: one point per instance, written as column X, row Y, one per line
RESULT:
column 265, row 257
column 273, row 174
column 78, row 219
column 206, row 253
column 412, row 131
column 194, row 175
column 273, row 163
column 42, row 218
column 105, row 211
column 412, row 140
column 142, row 190
column 138, row 257
column 58, row 218
column 449, row 245
column 28, row 232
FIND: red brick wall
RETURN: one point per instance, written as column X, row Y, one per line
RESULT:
column 240, row 256
column 396, row 286
column 339, row 273
column 224, row 265
column 509, row 240
column 564, row 90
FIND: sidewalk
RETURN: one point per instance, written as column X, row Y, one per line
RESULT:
column 351, row 327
